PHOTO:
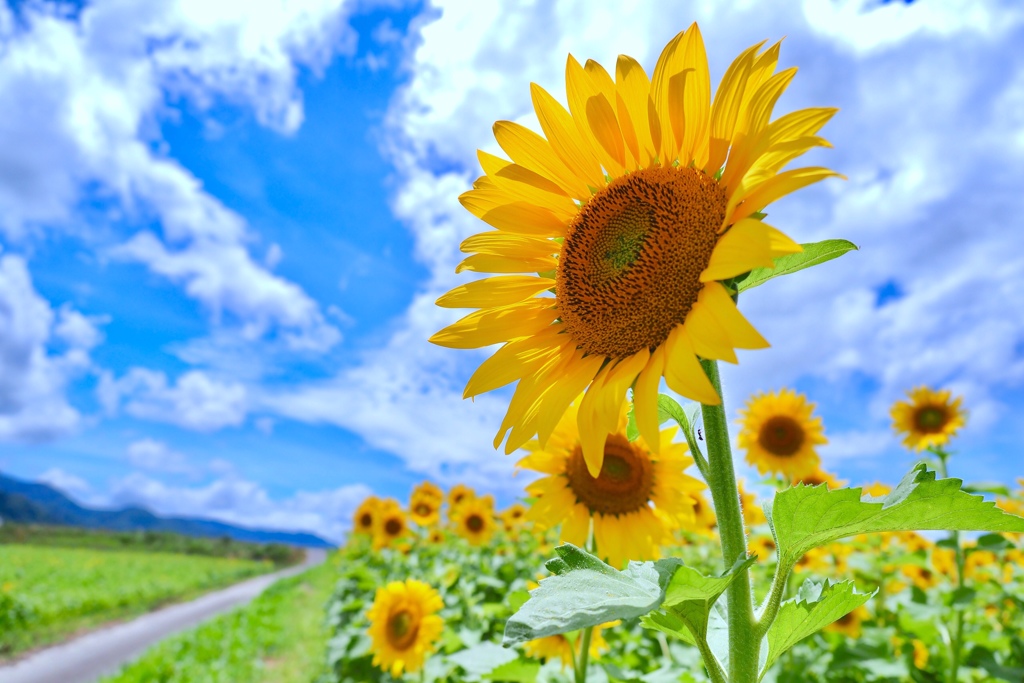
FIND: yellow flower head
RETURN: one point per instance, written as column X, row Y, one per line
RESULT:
column 849, row 624
column 763, row 547
column 819, row 477
column 436, row 536
column 365, row 515
column 704, row 521
column 474, row 521
column 514, row 516
column 457, row 494
column 929, row 419
column 876, row 490
column 922, row 577
column 425, row 506
column 390, row 524
column 404, row 626
column 614, row 231
column 639, row 498
column 779, row 434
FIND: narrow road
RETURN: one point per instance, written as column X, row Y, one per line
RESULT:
column 102, row 652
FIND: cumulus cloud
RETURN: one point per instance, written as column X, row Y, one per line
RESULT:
column 65, row 481
column 85, row 97
column 194, row 401
column 922, row 135
column 157, row 456
column 41, row 351
column 239, row 501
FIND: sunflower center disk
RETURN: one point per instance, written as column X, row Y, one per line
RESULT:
column 474, row 523
column 392, row 527
column 930, row 419
column 629, row 269
column 781, row 436
column 366, row 520
column 402, row 629
column 423, row 510
column 624, row 484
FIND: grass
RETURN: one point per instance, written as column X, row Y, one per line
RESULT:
column 47, row 593
column 280, row 637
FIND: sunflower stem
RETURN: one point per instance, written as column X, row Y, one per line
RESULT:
column 582, row 663
column 956, row 637
column 744, row 643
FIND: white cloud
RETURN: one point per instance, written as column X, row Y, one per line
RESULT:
column 238, row 501
column 195, row 401
column 33, row 375
column 84, row 99
column 65, row 482
column 157, row 456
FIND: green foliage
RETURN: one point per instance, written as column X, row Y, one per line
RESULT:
column 814, row 253
column 815, row 606
column 587, row 592
column 277, row 638
column 805, row 517
column 54, row 591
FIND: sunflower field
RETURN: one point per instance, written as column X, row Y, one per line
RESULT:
column 618, row 248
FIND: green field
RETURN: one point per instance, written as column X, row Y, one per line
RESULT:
column 49, row 592
column 280, row 637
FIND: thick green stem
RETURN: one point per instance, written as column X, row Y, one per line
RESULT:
column 956, row 637
column 744, row 643
column 582, row 661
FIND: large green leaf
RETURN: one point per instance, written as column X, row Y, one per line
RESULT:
column 816, row 606
column 690, row 594
column 586, row 592
column 813, row 254
column 806, row 517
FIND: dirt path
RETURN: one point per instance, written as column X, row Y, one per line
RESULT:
column 85, row 659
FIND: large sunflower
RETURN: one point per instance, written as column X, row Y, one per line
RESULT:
column 634, row 504
column 929, row 419
column 404, row 625
column 779, row 434
column 614, row 233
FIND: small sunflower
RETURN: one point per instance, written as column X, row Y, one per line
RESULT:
column 404, row 625
column 513, row 517
column 779, row 434
column 929, row 419
column 704, row 521
column 762, row 546
column 363, row 519
column 636, row 502
column 457, row 494
column 425, row 507
column 922, row 577
column 615, row 231
column 474, row 521
column 436, row 536
column 431, row 490
column 390, row 524
column 850, row 623
column 559, row 646
column 819, row 477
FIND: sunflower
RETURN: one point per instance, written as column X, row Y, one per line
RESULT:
column 404, row 625
column 559, row 646
column 819, row 477
column 425, row 507
column 814, row 560
column 474, row 521
column 849, row 623
column 929, row 419
column 436, row 536
column 639, row 498
column 779, row 434
column 362, row 520
column 876, row 490
column 513, row 517
column 922, row 577
column 457, row 494
column 390, row 524
column 704, row 521
column 762, row 546
column 615, row 231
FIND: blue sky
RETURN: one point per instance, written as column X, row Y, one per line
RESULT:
column 222, row 233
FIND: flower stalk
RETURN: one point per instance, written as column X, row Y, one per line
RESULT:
column 744, row 642
column 956, row 637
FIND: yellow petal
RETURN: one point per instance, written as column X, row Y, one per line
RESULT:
column 798, row 124
column 726, row 108
column 607, row 405
column 525, row 185
column 645, row 398
column 495, row 291
column 554, row 403
column 697, row 99
column 634, row 88
column 513, row 246
column 746, row 245
column 591, row 440
column 533, row 152
column 544, row 462
column 709, row 338
column 742, row 334
column 576, row 527
column 489, row 263
column 683, row 372
column 594, row 117
column 513, row 361
column 501, row 211
column 779, row 186
column 670, row 63
column 494, row 325
column 527, row 391
column 563, row 136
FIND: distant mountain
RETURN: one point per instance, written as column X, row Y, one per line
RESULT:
column 31, row 503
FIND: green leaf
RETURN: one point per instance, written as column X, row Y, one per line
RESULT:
column 669, row 624
column 813, row 254
column 483, row 658
column 690, row 595
column 517, row 671
column 806, row 517
column 987, row 487
column 816, row 606
column 586, row 592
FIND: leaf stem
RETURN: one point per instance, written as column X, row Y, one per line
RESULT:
column 582, row 663
column 770, row 609
column 956, row 637
column 744, row 645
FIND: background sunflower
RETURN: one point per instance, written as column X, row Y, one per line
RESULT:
column 404, row 626
column 929, row 419
column 779, row 434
